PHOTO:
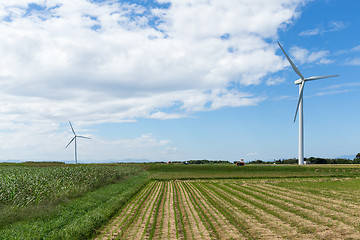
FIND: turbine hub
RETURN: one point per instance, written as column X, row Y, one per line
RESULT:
column 299, row 81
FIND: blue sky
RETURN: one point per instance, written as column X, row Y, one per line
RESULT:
column 177, row 79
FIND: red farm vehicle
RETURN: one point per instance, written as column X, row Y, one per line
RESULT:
column 240, row 163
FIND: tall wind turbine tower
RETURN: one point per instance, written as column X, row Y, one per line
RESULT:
column 299, row 107
column 74, row 138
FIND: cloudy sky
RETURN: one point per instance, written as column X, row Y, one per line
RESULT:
column 177, row 79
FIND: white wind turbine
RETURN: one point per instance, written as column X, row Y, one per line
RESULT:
column 299, row 107
column 74, row 138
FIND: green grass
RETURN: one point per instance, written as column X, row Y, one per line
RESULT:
column 210, row 171
column 347, row 189
column 350, row 185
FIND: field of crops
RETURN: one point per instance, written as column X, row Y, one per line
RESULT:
column 290, row 208
column 178, row 201
column 59, row 201
column 22, row 186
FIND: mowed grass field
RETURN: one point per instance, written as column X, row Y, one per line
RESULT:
column 178, row 201
column 252, row 202
column 241, row 209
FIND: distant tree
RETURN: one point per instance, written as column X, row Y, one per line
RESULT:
column 356, row 161
column 205, row 161
column 259, row 162
column 314, row 160
column 290, row 161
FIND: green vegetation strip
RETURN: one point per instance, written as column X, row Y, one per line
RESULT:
column 178, row 211
column 158, row 202
column 77, row 218
column 231, row 171
column 228, row 213
column 201, row 209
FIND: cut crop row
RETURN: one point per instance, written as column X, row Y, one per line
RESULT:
column 335, row 209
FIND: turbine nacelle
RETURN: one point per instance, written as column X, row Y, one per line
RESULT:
column 299, row 81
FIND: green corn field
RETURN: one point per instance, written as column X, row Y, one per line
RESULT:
column 23, row 186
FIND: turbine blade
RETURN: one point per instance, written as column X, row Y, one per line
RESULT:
column 70, row 141
column 83, row 137
column 72, row 128
column 300, row 98
column 291, row 63
column 319, row 77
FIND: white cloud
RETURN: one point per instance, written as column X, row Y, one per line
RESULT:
column 285, row 97
column 332, row 92
column 331, row 27
column 339, row 88
column 344, row 85
column 310, row 32
column 26, row 141
column 352, row 62
column 302, row 55
column 146, row 146
column 275, row 81
column 326, row 61
column 234, row 99
column 110, row 61
column 356, row 49
column 55, row 63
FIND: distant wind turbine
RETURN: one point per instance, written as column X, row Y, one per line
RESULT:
column 299, row 107
column 74, row 138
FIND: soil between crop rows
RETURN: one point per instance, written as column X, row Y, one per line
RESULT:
column 234, row 209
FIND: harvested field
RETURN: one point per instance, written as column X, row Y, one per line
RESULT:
column 240, row 209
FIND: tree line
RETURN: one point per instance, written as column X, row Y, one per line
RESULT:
column 312, row 160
